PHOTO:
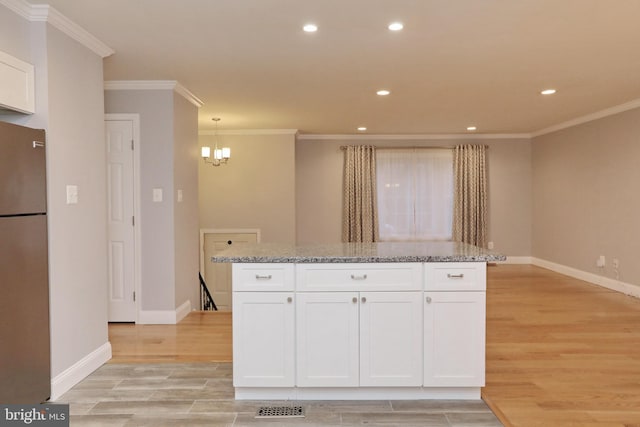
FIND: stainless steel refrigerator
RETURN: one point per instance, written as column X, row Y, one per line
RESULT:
column 25, row 367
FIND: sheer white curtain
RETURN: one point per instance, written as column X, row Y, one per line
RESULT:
column 415, row 194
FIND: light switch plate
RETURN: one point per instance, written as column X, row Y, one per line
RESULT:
column 72, row 194
column 157, row 194
column 179, row 196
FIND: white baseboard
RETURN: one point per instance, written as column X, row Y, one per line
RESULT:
column 516, row 260
column 616, row 285
column 164, row 317
column 79, row 371
column 183, row 310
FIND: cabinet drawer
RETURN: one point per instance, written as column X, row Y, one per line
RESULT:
column 459, row 276
column 263, row 277
column 359, row 277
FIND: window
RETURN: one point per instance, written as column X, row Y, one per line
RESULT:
column 415, row 194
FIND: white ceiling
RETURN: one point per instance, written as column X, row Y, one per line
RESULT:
column 456, row 63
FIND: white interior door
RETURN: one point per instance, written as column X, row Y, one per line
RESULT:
column 217, row 275
column 120, row 195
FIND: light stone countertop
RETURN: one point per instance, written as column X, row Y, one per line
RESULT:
column 356, row 252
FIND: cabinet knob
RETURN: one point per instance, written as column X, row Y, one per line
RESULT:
column 355, row 300
column 364, row 299
column 428, row 300
column 289, row 299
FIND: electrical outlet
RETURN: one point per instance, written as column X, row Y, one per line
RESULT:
column 490, row 245
column 616, row 263
column 601, row 261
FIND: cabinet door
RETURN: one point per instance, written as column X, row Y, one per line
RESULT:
column 391, row 338
column 263, row 339
column 454, row 339
column 327, row 339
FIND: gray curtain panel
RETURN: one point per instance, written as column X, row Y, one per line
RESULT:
column 359, row 210
column 470, row 195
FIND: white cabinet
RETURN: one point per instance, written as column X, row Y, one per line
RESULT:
column 390, row 276
column 16, row 84
column 350, row 339
column 454, row 324
column 327, row 339
column 359, row 331
column 263, row 325
column 263, row 339
column 390, row 338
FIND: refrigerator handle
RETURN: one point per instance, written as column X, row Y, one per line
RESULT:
column 38, row 144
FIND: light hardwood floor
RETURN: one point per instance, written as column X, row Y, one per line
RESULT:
column 560, row 352
column 202, row 336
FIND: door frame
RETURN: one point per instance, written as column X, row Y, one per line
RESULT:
column 137, row 235
column 204, row 231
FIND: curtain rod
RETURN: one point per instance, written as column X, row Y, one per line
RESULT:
column 344, row 147
column 431, row 147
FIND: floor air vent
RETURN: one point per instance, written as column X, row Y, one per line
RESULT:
column 280, row 412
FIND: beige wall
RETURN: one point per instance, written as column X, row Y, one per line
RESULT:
column 585, row 195
column 185, row 179
column 168, row 157
column 70, row 107
column 319, row 189
column 156, row 171
column 77, row 233
column 256, row 189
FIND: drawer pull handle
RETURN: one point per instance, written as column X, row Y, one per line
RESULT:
column 428, row 300
column 455, row 276
column 354, row 300
column 289, row 299
column 261, row 277
column 354, row 277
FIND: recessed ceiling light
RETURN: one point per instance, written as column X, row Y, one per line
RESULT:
column 310, row 28
column 396, row 26
column 383, row 92
column 362, row 128
column 472, row 128
column 548, row 92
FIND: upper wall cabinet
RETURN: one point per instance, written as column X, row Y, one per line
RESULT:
column 16, row 84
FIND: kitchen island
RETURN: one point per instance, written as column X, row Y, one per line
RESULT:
column 358, row 320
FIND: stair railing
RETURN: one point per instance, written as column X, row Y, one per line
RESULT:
column 206, row 300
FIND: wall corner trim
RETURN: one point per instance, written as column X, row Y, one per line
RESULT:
column 413, row 137
column 605, row 282
column 249, row 132
column 153, row 85
column 590, row 117
column 71, row 376
column 46, row 13
column 164, row 317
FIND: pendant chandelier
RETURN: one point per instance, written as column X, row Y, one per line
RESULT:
column 220, row 155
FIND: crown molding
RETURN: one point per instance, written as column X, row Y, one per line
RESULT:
column 188, row 95
column 46, row 13
column 411, row 137
column 590, row 117
column 250, row 132
column 20, row 7
column 153, row 85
